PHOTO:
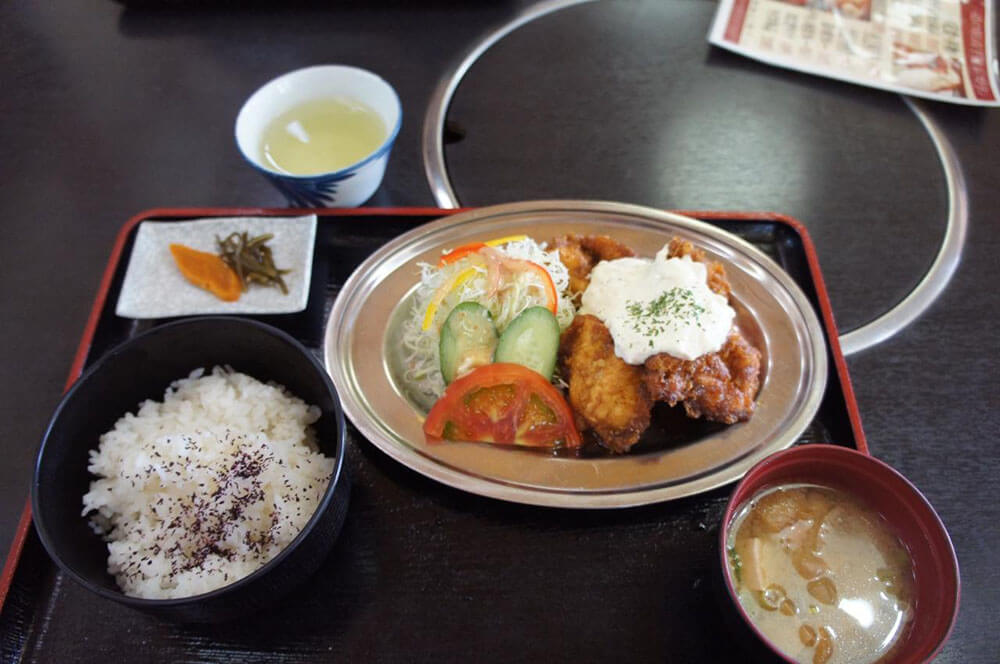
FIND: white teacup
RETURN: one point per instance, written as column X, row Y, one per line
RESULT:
column 346, row 187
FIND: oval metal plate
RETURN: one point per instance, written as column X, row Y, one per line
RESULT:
column 361, row 355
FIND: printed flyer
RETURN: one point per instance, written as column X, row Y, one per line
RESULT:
column 937, row 49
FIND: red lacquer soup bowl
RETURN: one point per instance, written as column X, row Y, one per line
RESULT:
column 909, row 515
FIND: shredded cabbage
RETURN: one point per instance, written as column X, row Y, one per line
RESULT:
column 530, row 250
column 514, row 295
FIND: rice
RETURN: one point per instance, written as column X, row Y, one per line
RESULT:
column 203, row 488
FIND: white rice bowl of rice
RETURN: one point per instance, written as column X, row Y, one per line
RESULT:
column 202, row 493
column 205, row 487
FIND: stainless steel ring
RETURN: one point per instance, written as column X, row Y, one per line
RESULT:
column 945, row 263
column 437, row 110
column 872, row 333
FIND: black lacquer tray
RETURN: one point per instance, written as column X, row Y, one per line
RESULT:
column 424, row 572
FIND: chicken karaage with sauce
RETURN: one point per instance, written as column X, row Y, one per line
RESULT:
column 580, row 253
column 607, row 395
column 614, row 399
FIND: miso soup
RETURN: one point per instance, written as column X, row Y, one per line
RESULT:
column 821, row 575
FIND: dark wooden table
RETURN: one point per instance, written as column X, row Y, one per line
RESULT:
column 107, row 111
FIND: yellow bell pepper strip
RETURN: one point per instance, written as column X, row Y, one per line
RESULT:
column 505, row 240
column 443, row 291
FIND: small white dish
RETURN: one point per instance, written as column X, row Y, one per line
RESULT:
column 155, row 288
column 347, row 187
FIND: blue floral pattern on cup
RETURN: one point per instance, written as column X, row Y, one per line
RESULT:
column 320, row 191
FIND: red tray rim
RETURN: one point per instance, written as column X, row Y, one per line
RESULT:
column 76, row 368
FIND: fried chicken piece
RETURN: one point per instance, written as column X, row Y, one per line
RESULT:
column 580, row 253
column 720, row 387
column 613, row 398
column 607, row 394
column 717, row 281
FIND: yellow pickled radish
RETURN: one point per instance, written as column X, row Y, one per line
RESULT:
column 207, row 271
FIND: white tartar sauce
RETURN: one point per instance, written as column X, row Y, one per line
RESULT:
column 657, row 306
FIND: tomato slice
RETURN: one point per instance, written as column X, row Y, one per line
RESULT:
column 503, row 403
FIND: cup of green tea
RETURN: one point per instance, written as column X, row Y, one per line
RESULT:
column 322, row 135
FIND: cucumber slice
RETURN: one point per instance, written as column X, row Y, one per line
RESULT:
column 468, row 339
column 531, row 340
